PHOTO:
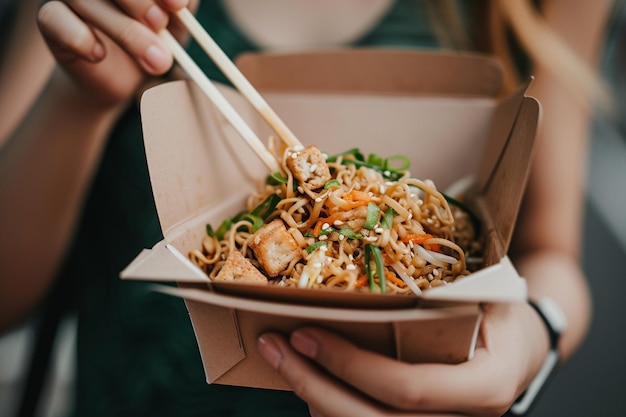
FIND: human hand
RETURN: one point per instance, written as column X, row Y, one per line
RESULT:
column 108, row 48
column 350, row 381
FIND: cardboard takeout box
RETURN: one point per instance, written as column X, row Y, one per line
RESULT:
column 441, row 110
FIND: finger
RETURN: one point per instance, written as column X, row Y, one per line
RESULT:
column 324, row 394
column 145, row 11
column 67, row 35
column 420, row 387
column 137, row 39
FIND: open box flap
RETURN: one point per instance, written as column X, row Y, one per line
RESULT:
column 374, row 71
column 163, row 263
column 503, row 189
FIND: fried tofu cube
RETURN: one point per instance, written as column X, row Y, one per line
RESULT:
column 238, row 268
column 275, row 248
column 309, row 167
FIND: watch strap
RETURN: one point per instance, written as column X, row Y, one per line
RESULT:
column 556, row 323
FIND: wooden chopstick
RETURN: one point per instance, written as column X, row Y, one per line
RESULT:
column 211, row 91
column 230, row 70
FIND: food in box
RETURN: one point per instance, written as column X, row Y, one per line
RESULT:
column 440, row 110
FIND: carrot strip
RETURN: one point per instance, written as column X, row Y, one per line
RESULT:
column 361, row 281
column 393, row 278
column 417, row 238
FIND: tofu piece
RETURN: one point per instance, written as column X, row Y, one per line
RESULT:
column 309, row 167
column 238, row 268
column 275, row 247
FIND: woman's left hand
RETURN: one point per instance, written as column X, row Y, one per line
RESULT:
column 337, row 378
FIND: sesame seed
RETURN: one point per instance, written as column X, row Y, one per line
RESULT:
column 341, row 237
column 323, row 237
column 337, row 222
column 317, row 265
column 371, row 238
column 313, row 167
column 430, row 277
column 300, row 190
column 435, row 272
column 325, row 226
column 351, row 267
column 318, row 199
column 379, row 230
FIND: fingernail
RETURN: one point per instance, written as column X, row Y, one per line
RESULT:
column 269, row 351
column 304, row 344
column 155, row 58
column 156, row 17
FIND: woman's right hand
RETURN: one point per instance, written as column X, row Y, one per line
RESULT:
column 108, row 48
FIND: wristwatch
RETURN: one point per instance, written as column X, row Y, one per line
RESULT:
column 556, row 323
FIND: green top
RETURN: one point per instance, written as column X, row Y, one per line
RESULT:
column 137, row 353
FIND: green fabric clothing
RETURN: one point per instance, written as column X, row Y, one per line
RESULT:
column 137, row 353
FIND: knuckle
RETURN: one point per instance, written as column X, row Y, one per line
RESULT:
column 130, row 32
column 301, row 388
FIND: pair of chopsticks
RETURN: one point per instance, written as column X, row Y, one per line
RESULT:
column 231, row 71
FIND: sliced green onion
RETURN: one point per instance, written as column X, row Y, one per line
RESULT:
column 372, row 216
column 266, row 207
column 223, row 229
column 327, row 231
column 316, row 245
column 375, row 160
column 209, row 230
column 380, row 268
column 349, row 233
column 256, row 221
column 405, row 163
column 387, row 220
column 354, row 152
column 276, row 178
column 331, row 184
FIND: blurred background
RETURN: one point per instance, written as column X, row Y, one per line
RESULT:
column 593, row 383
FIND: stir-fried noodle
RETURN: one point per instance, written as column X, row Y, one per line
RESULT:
column 343, row 222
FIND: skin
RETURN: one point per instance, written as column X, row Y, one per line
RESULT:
column 108, row 52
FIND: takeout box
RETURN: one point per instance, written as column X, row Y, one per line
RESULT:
column 442, row 110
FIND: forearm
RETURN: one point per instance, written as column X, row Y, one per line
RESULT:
column 560, row 277
column 44, row 172
column 24, row 68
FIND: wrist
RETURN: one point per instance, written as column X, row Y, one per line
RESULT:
column 555, row 323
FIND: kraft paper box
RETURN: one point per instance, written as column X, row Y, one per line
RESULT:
column 441, row 110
